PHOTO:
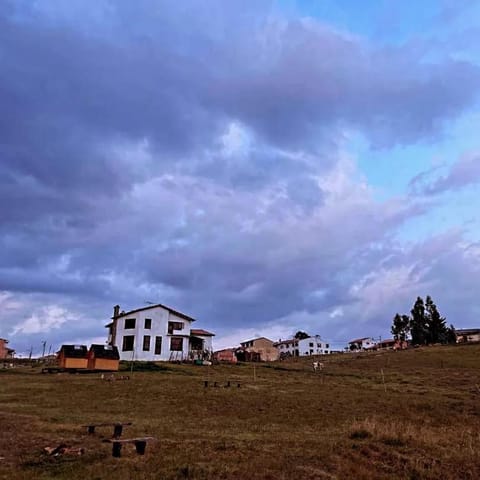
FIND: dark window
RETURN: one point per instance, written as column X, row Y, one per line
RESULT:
column 326, row 346
column 176, row 344
column 128, row 341
column 158, row 345
column 129, row 323
column 174, row 326
column 310, row 344
column 146, row 343
column 148, row 323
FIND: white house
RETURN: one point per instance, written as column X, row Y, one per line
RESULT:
column 303, row 347
column 362, row 343
column 157, row 333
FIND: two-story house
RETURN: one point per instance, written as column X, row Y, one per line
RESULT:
column 157, row 333
column 295, row 347
column 364, row 343
column 258, row 349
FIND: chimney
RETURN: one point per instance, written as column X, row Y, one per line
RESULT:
column 116, row 311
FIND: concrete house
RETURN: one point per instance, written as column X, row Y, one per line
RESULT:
column 157, row 333
column 302, row 347
column 5, row 352
column 364, row 343
column 258, row 349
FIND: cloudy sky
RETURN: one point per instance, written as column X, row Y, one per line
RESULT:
column 263, row 166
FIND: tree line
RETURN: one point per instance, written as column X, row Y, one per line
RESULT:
column 424, row 324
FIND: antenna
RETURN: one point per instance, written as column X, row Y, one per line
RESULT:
column 149, row 303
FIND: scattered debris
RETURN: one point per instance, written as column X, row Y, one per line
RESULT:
column 112, row 378
column 63, row 449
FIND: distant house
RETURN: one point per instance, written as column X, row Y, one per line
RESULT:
column 467, row 335
column 5, row 352
column 391, row 344
column 227, row 355
column 258, row 349
column 157, row 333
column 364, row 343
column 73, row 356
column 103, row 357
column 302, row 347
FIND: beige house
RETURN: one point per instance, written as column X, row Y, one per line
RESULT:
column 259, row 348
column 467, row 335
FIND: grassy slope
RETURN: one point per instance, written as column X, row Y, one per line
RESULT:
column 288, row 423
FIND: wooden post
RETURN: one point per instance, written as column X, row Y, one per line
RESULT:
column 117, row 430
column 254, row 373
column 140, row 447
column 117, row 449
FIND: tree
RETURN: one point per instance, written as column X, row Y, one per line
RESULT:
column 418, row 323
column 436, row 325
column 425, row 325
column 301, row 335
column 400, row 327
column 451, row 335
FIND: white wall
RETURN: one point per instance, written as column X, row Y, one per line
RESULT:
column 318, row 347
column 313, row 346
column 160, row 318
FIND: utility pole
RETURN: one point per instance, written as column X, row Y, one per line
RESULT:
column 44, row 344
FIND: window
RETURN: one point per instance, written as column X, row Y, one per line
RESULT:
column 310, row 344
column 129, row 323
column 326, row 345
column 148, row 324
column 174, row 326
column 128, row 341
column 158, row 345
column 176, row 344
column 146, row 343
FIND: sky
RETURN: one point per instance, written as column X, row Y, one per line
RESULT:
column 263, row 166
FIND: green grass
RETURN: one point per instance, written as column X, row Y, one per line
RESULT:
column 288, row 423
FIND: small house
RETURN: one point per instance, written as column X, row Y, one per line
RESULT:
column 364, row 343
column 103, row 357
column 5, row 352
column 226, row 355
column 73, row 356
column 467, row 335
column 258, row 349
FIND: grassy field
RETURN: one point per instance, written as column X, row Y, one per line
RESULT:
column 419, row 420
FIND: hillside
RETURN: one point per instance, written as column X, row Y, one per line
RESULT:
column 420, row 419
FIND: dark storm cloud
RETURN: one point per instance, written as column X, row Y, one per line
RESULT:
column 152, row 151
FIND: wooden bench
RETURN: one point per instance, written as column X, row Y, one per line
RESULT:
column 140, row 445
column 117, row 427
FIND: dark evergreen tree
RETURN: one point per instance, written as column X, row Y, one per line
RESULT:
column 301, row 335
column 436, row 325
column 400, row 327
column 451, row 335
column 418, row 323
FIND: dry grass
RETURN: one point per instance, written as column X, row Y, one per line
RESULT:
column 289, row 423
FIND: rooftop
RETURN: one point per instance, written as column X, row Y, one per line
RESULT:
column 175, row 312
